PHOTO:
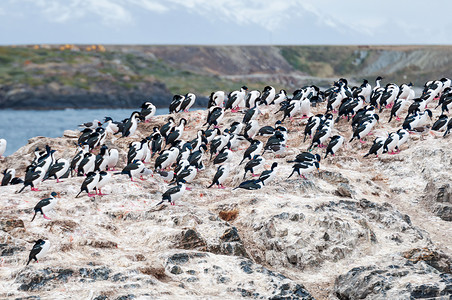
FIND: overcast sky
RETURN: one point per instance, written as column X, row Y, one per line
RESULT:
column 225, row 22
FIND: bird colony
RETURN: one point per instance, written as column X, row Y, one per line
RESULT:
column 263, row 145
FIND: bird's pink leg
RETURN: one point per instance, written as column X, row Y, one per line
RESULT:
column 361, row 141
column 188, row 189
column 91, row 195
column 45, row 217
column 221, row 186
column 398, row 119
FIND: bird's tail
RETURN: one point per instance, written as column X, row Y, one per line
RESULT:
column 33, row 217
column 28, row 261
column 367, row 154
column 353, row 137
column 78, row 194
column 20, row 191
column 235, row 188
column 390, row 118
column 159, row 203
column 211, row 185
column 291, row 173
column 326, row 154
column 242, row 161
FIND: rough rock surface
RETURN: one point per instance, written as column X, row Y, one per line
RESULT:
column 317, row 238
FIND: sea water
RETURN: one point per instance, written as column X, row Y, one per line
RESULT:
column 17, row 126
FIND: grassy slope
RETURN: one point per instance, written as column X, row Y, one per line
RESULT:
column 84, row 69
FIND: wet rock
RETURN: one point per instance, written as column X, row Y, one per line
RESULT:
column 176, row 270
column 8, row 250
column 179, row 258
column 45, row 279
column 10, row 224
column 190, row 239
column 231, row 235
column 95, row 274
column 101, row 244
column 436, row 259
column 344, row 190
column 438, row 199
column 389, row 281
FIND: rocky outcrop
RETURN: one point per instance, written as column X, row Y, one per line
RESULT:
column 396, row 279
column 438, row 197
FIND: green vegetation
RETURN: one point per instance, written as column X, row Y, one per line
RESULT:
column 325, row 61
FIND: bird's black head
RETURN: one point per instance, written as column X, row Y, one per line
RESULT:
column 429, row 112
column 365, row 81
column 103, row 173
column 317, row 156
column 53, row 194
column 108, row 119
column 379, row 78
column 245, row 87
column 203, row 146
column 274, row 165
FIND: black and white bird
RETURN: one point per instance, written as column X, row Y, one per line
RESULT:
column 312, row 125
column 255, row 148
column 177, row 132
column 254, row 184
column 131, row 124
column 389, row 95
column 440, row 124
column 391, row 143
column 96, row 138
column 104, row 179
column 137, row 150
column 167, row 176
column 33, row 177
column 377, row 147
column 46, row 205
column 255, row 163
column 84, row 136
column 236, row 99
column 216, row 99
column 113, row 157
column 40, row 248
column 364, row 128
column 87, row 164
column 91, row 125
column 268, row 130
column 8, row 175
column 186, row 175
column 252, row 113
column 89, row 184
column 60, row 169
column 75, row 162
column 220, row 176
column 224, row 156
column 399, row 106
column 147, row 111
column 251, row 98
column 196, row 158
column 214, row 116
column 268, row 95
column 3, row 144
column 236, row 128
column 306, row 158
column 188, row 102
column 268, row 175
column 403, row 137
column 219, row 142
column 167, row 127
column 112, row 126
column 304, row 168
column 251, row 129
column 176, row 103
column 173, row 194
column 280, row 97
column 166, row 158
column 417, row 120
column 133, row 170
column 335, row 143
column 276, row 143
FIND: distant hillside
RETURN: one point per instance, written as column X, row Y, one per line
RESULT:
column 124, row 76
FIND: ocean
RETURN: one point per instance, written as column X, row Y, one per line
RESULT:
column 17, row 126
